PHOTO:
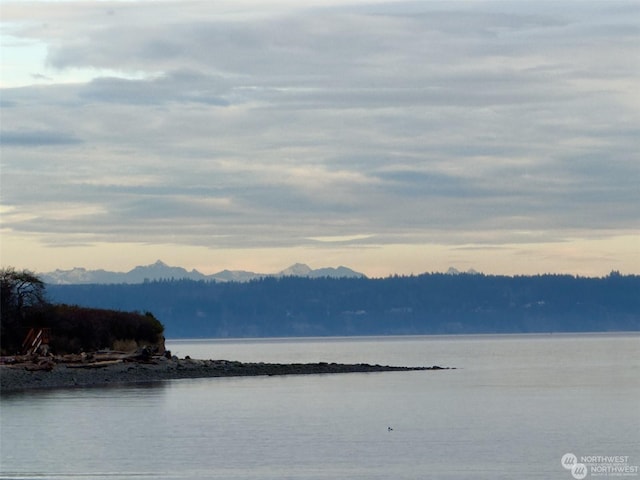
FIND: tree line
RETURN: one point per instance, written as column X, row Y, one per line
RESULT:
column 24, row 305
column 422, row 304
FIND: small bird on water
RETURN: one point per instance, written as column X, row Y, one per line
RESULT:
column 389, row 429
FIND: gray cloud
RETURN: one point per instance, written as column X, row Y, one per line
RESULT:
column 408, row 122
column 36, row 138
column 177, row 86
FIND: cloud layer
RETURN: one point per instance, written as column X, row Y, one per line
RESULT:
column 239, row 125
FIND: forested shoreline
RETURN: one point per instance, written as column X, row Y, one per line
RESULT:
column 421, row 304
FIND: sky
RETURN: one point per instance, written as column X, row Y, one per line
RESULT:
column 393, row 137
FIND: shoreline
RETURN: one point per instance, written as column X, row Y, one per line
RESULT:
column 46, row 374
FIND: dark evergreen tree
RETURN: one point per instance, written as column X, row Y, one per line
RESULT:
column 21, row 292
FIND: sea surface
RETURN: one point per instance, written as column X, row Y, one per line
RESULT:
column 512, row 408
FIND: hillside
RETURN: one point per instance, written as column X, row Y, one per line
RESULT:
column 423, row 304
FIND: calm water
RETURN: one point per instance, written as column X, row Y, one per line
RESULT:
column 512, row 409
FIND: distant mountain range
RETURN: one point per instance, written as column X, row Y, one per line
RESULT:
column 162, row 271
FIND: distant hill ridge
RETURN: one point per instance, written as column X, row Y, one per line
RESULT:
column 430, row 303
column 161, row 271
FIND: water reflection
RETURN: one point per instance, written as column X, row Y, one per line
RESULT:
column 86, row 391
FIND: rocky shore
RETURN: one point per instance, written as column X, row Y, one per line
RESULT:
column 114, row 369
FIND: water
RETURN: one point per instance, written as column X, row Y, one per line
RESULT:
column 512, row 409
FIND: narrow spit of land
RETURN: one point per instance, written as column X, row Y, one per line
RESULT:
column 112, row 368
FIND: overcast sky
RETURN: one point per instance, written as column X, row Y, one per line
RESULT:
column 392, row 137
